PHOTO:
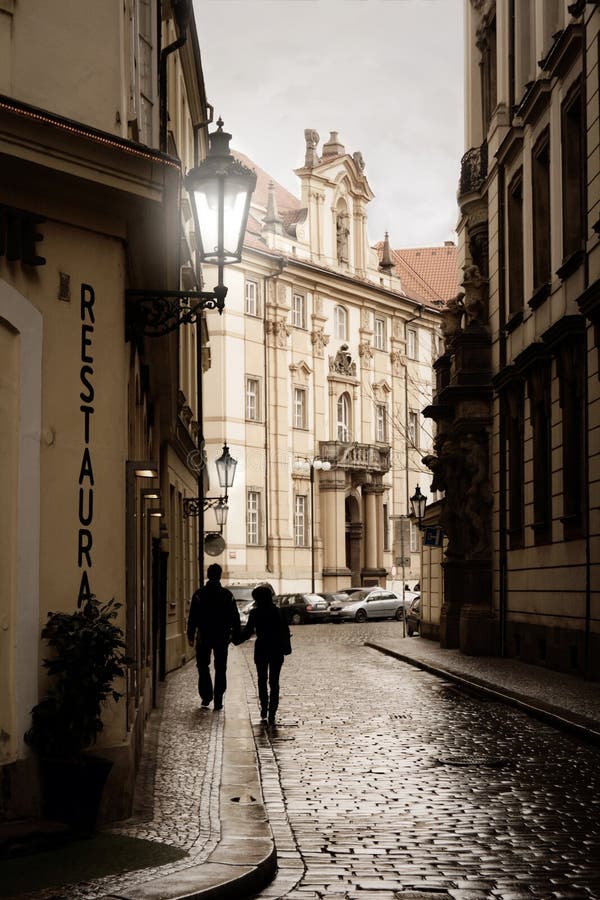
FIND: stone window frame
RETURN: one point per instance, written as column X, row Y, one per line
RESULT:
column 299, row 311
column 340, row 322
column 379, row 333
column 300, row 390
column 301, row 535
column 254, row 379
column 251, row 304
column 381, row 423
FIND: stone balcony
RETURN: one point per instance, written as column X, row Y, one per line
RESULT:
column 352, row 455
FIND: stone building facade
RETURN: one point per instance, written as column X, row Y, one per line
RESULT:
column 90, row 207
column 320, row 355
column 517, row 401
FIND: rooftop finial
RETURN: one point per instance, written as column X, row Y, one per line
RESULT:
column 386, row 263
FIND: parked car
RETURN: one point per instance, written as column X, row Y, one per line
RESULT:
column 333, row 597
column 243, row 597
column 299, row 609
column 413, row 616
column 371, row 603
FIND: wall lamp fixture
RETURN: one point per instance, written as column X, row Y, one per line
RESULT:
column 226, row 466
column 220, row 189
column 418, row 501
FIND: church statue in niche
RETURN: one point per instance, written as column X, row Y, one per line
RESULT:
column 341, row 235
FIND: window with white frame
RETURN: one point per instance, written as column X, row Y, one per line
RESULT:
column 252, row 307
column 413, row 428
column 300, row 408
column 253, row 518
column 299, row 311
column 379, row 333
column 380, row 423
column 340, row 323
column 252, row 399
column 142, row 118
column 414, row 538
column 343, row 418
column 412, row 344
column 300, row 534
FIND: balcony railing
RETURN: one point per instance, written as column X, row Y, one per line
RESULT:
column 352, row 455
column 473, row 170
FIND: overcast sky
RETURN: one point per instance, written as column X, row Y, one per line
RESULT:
column 387, row 75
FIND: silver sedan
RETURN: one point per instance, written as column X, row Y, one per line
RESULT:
column 366, row 604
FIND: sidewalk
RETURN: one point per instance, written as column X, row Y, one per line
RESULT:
column 198, row 804
column 555, row 697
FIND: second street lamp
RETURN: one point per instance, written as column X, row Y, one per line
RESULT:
column 418, row 501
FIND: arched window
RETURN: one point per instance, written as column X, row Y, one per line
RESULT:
column 340, row 323
column 343, row 418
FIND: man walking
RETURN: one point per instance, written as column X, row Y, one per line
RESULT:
column 213, row 621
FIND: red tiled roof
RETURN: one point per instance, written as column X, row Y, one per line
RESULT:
column 428, row 273
column 285, row 200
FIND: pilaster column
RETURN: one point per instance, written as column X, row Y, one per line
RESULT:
column 373, row 535
column 332, row 490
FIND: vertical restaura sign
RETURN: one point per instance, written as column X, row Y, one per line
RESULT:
column 86, row 471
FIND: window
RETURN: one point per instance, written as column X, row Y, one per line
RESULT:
column 379, row 333
column 515, row 244
column 299, row 311
column 142, row 83
column 251, row 292
column 253, row 518
column 515, row 406
column 300, row 521
column 540, row 164
column 340, row 320
column 538, row 385
column 343, row 418
column 524, row 45
column 413, row 428
column 386, row 528
column 487, row 45
column 414, row 538
column 252, row 399
column 300, row 408
column 572, row 175
column 380, row 423
column 411, row 343
column 572, row 403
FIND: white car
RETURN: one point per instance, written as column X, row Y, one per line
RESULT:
column 371, row 603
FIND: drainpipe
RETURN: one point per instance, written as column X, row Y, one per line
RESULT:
column 502, row 544
column 282, row 263
column 181, row 13
column 586, row 420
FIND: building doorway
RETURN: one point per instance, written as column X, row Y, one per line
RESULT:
column 354, row 532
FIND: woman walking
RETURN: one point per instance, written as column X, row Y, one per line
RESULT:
column 272, row 644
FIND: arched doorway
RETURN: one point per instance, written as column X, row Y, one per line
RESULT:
column 354, row 530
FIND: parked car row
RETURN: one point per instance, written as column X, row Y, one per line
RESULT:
column 353, row 604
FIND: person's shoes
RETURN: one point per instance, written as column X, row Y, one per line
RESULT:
column 218, row 706
column 205, row 703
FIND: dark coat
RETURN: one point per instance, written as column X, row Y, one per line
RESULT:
column 214, row 616
column 272, row 632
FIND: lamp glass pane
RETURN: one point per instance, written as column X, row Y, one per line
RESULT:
column 206, row 195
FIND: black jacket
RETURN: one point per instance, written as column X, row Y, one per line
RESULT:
column 213, row 614
column 272, row 632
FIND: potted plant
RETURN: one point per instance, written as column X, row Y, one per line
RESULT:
column 88, row 655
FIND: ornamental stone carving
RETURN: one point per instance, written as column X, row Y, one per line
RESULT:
column 365, row 351
column 280, row 330
column 475, row 296
column 398, row 361
column 319, row 340
column 452, row 317
column 311, row 157
column 341, row 363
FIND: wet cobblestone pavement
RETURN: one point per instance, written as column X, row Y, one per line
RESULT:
column 398, row 785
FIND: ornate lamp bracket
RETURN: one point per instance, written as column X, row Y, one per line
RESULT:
column 156, row 313
column 191, row 505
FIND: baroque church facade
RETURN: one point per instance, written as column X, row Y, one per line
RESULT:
column 320, row 358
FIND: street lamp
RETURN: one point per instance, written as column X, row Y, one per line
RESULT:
column 220, row 189
column 195, row 506
column 303, row 465
column 418, row 501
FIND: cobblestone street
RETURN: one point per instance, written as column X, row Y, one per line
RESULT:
column 396, row 781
